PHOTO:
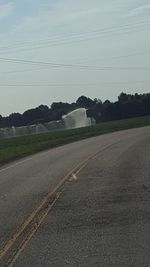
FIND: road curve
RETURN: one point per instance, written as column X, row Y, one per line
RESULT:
column 100, row 219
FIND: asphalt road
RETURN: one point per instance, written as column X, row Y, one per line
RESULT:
column 102, row 218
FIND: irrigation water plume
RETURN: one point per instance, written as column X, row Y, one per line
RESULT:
column 75, row 119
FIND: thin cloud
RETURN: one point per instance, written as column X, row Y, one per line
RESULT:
column 141, row 10
column 49, row 19
column 6, row 10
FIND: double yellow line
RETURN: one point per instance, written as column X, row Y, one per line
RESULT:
column 41, row 211
column 14, row 247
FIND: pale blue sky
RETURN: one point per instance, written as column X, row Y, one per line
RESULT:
column 110, row 34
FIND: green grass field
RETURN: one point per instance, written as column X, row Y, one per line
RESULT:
column 14, row 148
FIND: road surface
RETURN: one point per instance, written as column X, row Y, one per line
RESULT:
column 98, row 216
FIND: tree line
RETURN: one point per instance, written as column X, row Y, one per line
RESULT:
column 127, row 106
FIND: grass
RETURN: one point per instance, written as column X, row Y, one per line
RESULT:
column 14, row 148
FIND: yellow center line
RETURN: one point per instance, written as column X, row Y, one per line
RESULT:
column 19, row 231
column 29, row 220
column 25, row 242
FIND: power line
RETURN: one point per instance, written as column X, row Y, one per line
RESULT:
column 60, row 65
column 72, row 84
column 122, row 56
column 79, row 36
column 47, row 67
column 22, row 71
column 87, row 32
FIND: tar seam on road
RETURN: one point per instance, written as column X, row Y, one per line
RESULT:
column 33, row 222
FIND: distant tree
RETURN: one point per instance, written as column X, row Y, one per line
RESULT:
column 123, row 98
column 30, row 116
column 43, row 109
column 60, row 106
column 97, row 101
column 1, row 119
column 85, row 102
column 146, row 104
column 58, row 109
column 127, row 106
column 96, row 110
column 15, row 119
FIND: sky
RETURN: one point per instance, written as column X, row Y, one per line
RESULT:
column 58, row 50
